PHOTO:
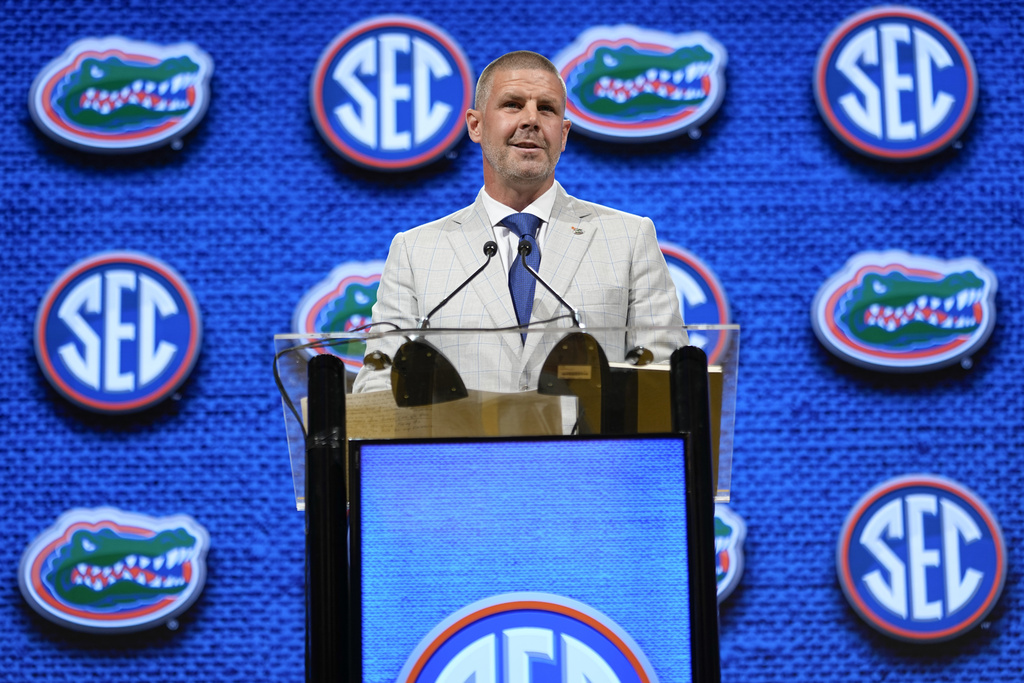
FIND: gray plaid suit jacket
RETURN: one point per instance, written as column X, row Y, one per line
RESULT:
column 606, row 263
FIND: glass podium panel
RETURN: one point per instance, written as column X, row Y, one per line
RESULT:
column 576, row 382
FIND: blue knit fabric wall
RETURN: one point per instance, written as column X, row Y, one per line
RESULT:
column 254, row 209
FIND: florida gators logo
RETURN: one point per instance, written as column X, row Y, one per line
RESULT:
column 896, row 83
column 921, row 558
column 341, row 302
column 106, row 570
column 702, row 299
column 118, row 95
column 730, row 533
column 118, row 332
column 390, row 93
column 627, row 83
column 896, row 311
column 528, row 636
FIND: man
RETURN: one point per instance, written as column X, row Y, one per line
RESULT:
column 604, row 262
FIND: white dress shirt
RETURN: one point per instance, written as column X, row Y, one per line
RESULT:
column 508, row 242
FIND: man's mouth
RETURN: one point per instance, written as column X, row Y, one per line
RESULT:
column 526, row 146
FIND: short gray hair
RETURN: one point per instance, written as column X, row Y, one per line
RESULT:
column 521, row 59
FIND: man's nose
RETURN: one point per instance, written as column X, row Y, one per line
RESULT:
column 530, row 116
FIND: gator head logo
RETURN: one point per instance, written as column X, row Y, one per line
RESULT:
column 104, row 570
column 730, row 532
column 117, row 95
column 341, row 302
column 630, row 84
column 901, row 312
column 702, row 299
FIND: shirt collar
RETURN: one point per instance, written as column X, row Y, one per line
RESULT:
column 541, row 206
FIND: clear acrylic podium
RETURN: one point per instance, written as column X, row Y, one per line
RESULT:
column 578, row 391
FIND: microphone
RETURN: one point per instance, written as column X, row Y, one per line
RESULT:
column 524, row 250
column 422, row 375
column 490, row 249
column 576, row 365
column 639, row 356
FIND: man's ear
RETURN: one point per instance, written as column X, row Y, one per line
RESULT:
column 566, row 125
column 473, row 121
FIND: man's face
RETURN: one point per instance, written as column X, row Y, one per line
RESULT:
column 521, row 128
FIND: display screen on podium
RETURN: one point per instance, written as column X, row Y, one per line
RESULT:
column 535, row 559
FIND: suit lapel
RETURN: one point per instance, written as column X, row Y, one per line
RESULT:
column 471, row 230
column 565, row 246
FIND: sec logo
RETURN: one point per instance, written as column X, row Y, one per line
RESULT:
column 105, row 570
column 701, row 298
column 524, row 637
column 627, row 83
column 896, row 83
column 118, row 95
column 117, row 332
column 901, row 312
column 341, row 302
column 921, row 558
column 390, row 93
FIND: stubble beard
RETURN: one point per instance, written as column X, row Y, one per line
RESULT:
column 501, row 159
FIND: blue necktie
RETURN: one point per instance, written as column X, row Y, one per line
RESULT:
column 520, row 283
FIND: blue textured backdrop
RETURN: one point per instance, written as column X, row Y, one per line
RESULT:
column 255, row 209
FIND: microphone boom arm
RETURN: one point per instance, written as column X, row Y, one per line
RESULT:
column 524, row 250
column 490, row 249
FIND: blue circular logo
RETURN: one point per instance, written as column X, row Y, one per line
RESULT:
column 896, row 83
column 527, row 636
column 118, row 332
column 921, row 558
column 702, row 299
column 391, row 93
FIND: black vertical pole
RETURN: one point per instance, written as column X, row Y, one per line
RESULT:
column 691, row 414
column 326, row 526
